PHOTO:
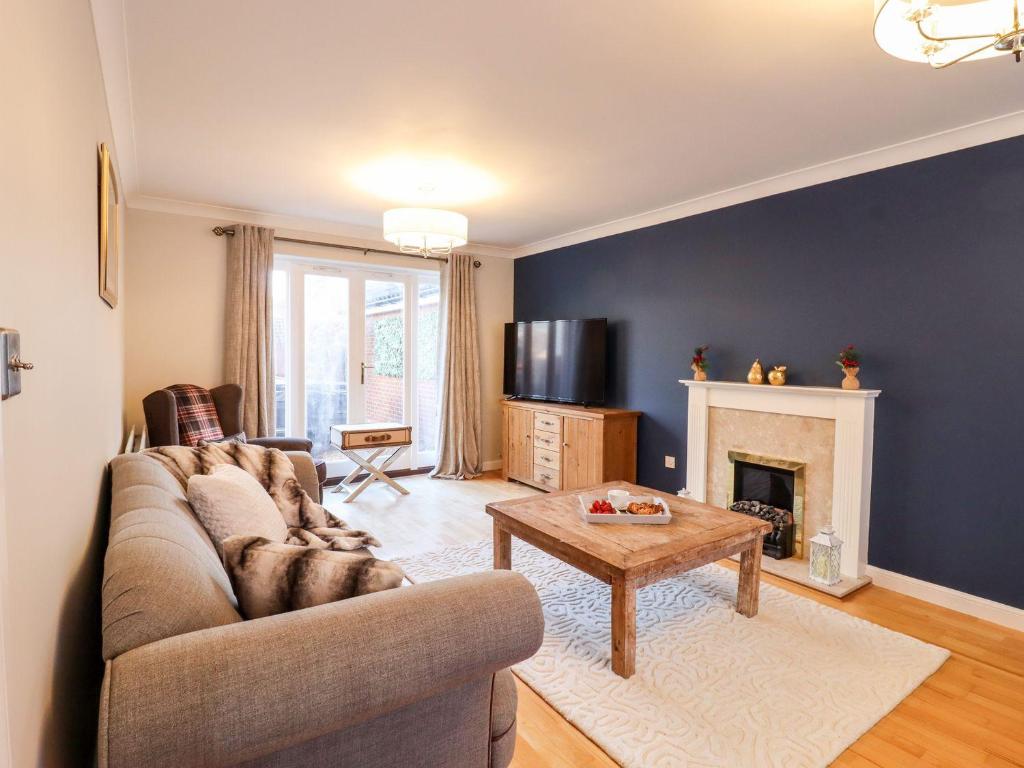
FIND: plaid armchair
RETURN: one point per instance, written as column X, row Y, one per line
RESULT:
column 223, row 415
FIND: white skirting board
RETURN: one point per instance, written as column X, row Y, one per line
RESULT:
column 972, row 605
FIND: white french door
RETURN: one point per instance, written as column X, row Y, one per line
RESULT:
column 351, row 346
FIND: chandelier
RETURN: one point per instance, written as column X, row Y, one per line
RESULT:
column 946, row 33
column 425, row 231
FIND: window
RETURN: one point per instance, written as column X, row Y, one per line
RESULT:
column 279, row 291
column 354, row 345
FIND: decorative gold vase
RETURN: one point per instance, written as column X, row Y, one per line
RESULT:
column 756, row 374
column 851, row 381
column 777, row 376
column 699, row 374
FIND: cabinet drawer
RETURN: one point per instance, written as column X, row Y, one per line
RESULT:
column 373, row 439
column 542, row 457
column 546, row 422
column 547, row 440
column 546, row 476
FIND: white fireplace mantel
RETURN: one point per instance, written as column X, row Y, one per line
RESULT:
column 853, row 412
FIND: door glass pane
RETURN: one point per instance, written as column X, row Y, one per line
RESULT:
column 427, row 350
column 279, row 292
column 384, row 355
column 326, row 365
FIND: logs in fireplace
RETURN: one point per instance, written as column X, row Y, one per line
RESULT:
column 778, row 544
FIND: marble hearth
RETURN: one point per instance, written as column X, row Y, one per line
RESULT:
column 829, row 431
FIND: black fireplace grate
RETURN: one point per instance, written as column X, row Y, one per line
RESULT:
column 779, row 543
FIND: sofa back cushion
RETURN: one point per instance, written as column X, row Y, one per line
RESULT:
column 162, row 576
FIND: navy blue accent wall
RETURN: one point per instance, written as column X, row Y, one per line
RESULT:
column 921, row 266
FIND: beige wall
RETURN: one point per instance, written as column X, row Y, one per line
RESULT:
column 60, row 432
column 175, row 314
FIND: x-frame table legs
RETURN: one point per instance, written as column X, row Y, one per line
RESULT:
column 374, row 472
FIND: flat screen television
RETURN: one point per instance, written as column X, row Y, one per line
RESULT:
column 558, row 360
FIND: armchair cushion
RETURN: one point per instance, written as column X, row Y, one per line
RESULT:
column 239, row 438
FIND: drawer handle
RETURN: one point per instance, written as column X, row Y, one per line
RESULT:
column 546, row 477
column 545, row 458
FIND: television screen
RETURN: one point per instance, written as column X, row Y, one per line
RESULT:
column 560, row 360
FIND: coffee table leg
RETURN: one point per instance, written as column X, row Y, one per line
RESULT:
column 623, row 628
column 502, row 548
column 750, row 579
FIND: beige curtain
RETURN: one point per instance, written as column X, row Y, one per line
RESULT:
column 459, row 447
column 248, row 338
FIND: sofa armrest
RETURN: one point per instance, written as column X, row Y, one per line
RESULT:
column 283, row 443
column 223, row 695
column 305, row 473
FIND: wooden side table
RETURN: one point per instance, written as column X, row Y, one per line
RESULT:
column 382, row 445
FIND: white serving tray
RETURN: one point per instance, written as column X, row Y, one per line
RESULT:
column 622, row 518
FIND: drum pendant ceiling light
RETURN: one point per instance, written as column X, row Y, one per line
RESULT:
column 425, row 231
column 945, row 33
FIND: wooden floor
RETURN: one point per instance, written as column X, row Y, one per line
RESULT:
column 969, row 713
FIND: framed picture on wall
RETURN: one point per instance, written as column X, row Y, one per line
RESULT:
column 109, row 227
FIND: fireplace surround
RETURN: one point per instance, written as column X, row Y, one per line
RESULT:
column 831, row 430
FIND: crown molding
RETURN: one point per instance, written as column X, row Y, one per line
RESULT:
column 369, row 236
column 962, row 137
column 111, row 33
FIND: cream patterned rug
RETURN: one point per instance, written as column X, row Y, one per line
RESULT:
column 792, row 687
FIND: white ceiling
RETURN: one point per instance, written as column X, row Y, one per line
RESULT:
column 584, row 111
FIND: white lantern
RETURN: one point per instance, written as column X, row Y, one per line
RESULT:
column 825, row 550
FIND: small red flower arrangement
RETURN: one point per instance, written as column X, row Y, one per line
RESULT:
column 698, row 364
column 848, row 358
column 698, row 361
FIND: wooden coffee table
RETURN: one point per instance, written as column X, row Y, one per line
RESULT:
column 632, row 556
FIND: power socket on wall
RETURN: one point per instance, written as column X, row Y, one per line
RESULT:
column 670, row 462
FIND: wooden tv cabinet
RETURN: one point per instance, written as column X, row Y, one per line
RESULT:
column 565, row 447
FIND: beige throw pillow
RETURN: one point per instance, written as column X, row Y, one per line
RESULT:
column 269, row 577
column 231, row 502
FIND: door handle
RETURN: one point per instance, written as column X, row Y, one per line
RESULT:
column 362, row 372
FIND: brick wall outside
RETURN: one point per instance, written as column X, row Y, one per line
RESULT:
column 384, row 395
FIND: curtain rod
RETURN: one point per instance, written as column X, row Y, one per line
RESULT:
column 221, row 231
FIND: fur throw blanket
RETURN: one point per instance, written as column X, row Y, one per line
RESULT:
column 309, row 524
column 270, row 578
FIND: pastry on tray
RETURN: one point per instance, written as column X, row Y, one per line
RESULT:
column 643, row 508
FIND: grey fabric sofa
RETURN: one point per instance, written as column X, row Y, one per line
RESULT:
column 411, row 677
